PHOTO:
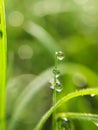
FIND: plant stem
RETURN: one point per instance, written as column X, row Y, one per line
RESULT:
column 54, row 123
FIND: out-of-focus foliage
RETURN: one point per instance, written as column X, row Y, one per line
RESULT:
column 35, row 30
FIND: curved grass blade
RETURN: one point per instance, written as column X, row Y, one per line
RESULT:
column 38, row 83
column 62, row 101
column 79, row 116
column 43, row 36
column 2, row 64
column 34, row 87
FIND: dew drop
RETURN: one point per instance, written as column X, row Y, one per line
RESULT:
column 56, row 72
column 58, row 87
column 65, row 119
column 60, row 55
column 51, row 84
column 66, row 124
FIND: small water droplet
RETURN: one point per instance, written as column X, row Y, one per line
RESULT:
column 60, row 55
column 65, row 119
column 56, row 72
column 93, row 95
column 66, row 124
column 58, row 87
column 51, row 84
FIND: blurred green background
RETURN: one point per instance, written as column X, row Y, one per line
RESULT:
column 35, row 30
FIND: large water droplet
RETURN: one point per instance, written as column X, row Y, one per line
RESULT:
column 58, row 87
column 60, row 55
column 56, row 72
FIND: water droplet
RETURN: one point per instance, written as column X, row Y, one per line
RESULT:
column 60, row 55
column 66, row 124
column 93, row 95
column 51, row 84
column 56, row 72
column 65, row 119
column 58, row 87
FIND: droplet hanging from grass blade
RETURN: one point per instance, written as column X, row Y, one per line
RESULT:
column 60, row 55
column 58, row 87
column 56, row 72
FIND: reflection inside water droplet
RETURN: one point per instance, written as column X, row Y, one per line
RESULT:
column 58, row 87
column 60, row 55
column 56, row 72
column 51, row 84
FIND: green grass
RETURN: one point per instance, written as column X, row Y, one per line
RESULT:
column 29, row 92
column 90, row 117
column 48, row 27
column 2, row 65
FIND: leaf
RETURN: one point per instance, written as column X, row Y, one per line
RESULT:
column 2, row 64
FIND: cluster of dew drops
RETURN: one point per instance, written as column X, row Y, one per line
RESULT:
column 55, row 83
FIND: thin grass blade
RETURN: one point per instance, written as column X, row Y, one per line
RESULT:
column 2, row 64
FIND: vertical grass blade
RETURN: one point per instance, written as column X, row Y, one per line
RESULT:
column 2, row 64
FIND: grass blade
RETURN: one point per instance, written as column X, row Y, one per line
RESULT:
column 2, row 64
column 63, row 100
column 43, row 36
column 79, row 116
column 40, row 82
